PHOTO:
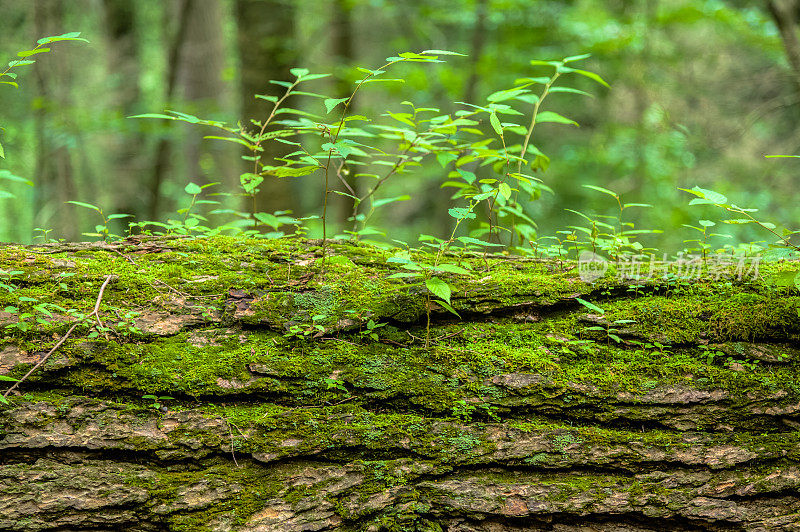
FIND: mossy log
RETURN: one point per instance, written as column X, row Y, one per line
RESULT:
column 284, row 395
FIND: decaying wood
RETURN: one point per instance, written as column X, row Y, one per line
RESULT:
column 279, row 411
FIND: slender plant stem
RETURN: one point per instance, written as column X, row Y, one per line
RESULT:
column 95, row 313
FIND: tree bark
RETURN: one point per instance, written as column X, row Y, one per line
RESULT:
column 785, row 14
column 164, row 147
column 124, row 69
column 232, row 388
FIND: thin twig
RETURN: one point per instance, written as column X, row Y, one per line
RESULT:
column 64, row 338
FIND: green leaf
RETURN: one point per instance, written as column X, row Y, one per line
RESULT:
column 461, row 213
column 154, row 115
column 470, row 240
column 330, row 103
column 439, row 288
column 572, row 58
column 603, row 190
column 797, row 281
column 570, row 90
column 377, row 203
column 7, row 378
column 403, row 117
column 590, row 306
column 443, row 52
column 299, row 72
column 505, row 190
column 231, row 139
column 28, row 53
column 445, row 158
column 395, row 80
column 550, row 116
column 593, row 76
column 273, row 99
column 12, row 83
column 495, row 122
column 250, row 181
column 315, row 76
column 706, row 196
column 5, row 174
column 71, row 36
column 290, row 171
column 86, row 205
column 192, row 189
column 448, row 308
column 537, row 62
column 503, row 95
column 452, row 268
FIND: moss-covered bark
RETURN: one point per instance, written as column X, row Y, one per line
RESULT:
column 286, row 414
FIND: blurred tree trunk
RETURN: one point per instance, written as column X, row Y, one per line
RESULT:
column 164, row 148
column 55, row 182
column 786, row 14
column 478, row 43
column 266, row 30
column 200, row 87
column 122, row 55
column 343, row 58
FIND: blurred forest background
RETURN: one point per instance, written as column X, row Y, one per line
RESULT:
column 700, row 91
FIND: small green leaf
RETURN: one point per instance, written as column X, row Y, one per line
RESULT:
column 86, row 205
column 330, row 103
column 28, row 53
column 505, row 190
column 448, row 307
column 592, row 75
column 443, row 52
column 299, row 72
column 495, row 122
column 590, row 306
column 71, row 36
column 470, row 240
column 570, row 90
column 192, row 189
column 5, row 174
column 452, row 268
column 231, row 139
column 550, row 116
column 439, row 288
column 154, row 115
column 572, row 58
column 603, row 190
column 379, row 202
column 250, row 181
column 461, row 213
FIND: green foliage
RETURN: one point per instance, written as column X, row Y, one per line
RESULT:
column 9, row 77
column 155, row 401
